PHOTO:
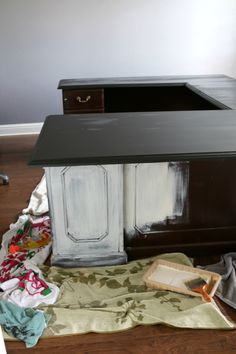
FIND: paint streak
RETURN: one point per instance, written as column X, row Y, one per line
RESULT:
column 159, row 192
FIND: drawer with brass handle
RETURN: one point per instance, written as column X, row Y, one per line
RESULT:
column 83, row 101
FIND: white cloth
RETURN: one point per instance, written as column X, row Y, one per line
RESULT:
column 38, row 203
column 33, row 293
column 35, row 289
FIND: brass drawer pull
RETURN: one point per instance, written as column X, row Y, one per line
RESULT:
column 80, row 100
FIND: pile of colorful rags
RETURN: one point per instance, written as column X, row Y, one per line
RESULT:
column 25, row 246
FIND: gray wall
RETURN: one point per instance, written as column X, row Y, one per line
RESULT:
column 43, row 41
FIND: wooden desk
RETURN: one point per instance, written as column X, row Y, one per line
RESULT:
column 207, row 224
column 198, row 150
column 137, row 94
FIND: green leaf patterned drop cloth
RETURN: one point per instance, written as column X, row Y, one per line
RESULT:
column 114, row 298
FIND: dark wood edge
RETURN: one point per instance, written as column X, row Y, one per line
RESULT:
column 107, row 160
column 208, row 98
column 191, row 250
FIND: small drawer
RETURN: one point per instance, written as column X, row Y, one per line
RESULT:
column 83, row 101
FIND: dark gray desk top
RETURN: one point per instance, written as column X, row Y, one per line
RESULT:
column 142, row 81
column 135, row 137
column 218, row 87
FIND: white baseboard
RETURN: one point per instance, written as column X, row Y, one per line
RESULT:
column 20, row 129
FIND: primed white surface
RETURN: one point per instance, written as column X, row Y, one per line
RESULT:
column 153, row 193
column 85, row 200
column 45, row 41
column 173, row 277
column 86, row 207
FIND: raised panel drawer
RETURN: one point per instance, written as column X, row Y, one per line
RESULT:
column 83, row 101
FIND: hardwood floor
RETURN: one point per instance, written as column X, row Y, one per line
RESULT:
column 14, row 154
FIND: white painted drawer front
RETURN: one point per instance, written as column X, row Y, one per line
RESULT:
column 86, row 205
column 85, row 199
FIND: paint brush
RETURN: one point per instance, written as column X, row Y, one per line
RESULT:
column 199, row 285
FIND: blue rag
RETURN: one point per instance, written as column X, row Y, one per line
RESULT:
column 24, row 324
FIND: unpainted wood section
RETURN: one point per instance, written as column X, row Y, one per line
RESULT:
column 159, row 98
column 210, row 225
column 83, row 101
column 14, row 153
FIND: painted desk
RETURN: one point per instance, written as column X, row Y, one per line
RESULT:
column 98, row 166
